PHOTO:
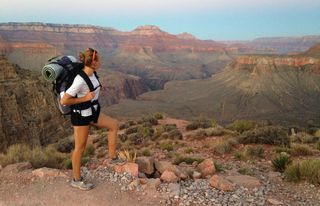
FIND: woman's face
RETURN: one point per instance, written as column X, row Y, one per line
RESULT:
column 96, row 63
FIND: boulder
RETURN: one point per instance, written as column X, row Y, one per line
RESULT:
column 206, row 168
column 129, row 167
column 162, row 166
column 146, row 165
column 221, row 183
column 169, row 176
column 244, row 180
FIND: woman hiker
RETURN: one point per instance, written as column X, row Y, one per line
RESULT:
column 79, row 93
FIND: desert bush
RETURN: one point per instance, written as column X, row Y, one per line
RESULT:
column 146, row 152
column 266, row 135
column 219, row 167
column 131, row 130
column 128, row 156
column 123, row 137
column 145, row 132
column 250, row 152
column 317, row 133
column 303, row 137
column 37, row 156
column 124, row 125
column 16, row 153
column 135, row 139
column 150, row 119
column 175, row 134
column 305, row 170
column 65, row 145
column 201, row 123
column 89, row 151
column 281, row 162
column 318, row 145
column 281, row 149
column 214, row 131
column 301, row 150
column 158, row 115
column 169, row 127
column 245, row 171
column 187, row 159
column 242, row 125
column 167, row 145
column 188, row 150
column 223, row 146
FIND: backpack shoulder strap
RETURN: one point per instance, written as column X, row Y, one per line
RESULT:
column 87, row 80
column 95, row 74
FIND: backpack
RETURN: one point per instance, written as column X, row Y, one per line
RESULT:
column 62, row 70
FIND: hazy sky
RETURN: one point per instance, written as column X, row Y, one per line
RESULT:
column 206, row 19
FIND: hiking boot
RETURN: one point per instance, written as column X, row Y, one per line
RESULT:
column 116, row 160
column 81, row 184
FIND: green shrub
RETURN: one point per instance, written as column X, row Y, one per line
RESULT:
column 135, row 139
column 281, row 162
column 150, row 119
column 245, row 171
column 317, row 133
column 146, row 152
column 242, row 125
column 169, row 127
column 187, row 159
column 37, row 156
column 292, row 173
column 175, row 134
column 303, row 137
column 250, row 152
column 16, row 153
column 47, row 157
column 167, row 145
column 158, row 115
column 201, row 123
column 131, row 130
column 89, row 151
column 145, row 132
column 266, row 135
column 123, row 137
column 65, row 145
column 223, row 146
column 281, row 149
column 215, row 131
column 301, row 150
column 188, row 150
column 219, row 167
column 305, row 170
column 318, row 145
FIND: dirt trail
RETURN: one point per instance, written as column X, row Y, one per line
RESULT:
column 57, row 191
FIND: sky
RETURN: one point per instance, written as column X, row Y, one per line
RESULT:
column 206, row 19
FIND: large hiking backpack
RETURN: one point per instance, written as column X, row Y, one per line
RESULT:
column 62, row 70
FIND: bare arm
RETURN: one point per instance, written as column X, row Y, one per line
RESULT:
column 67, row 99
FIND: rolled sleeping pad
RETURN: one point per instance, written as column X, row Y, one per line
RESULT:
column 51, row 71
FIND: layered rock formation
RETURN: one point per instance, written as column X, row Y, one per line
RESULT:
column 284, row 45
column 148, row 52
column 28, row 112
column 282, row 89
column 117, row 86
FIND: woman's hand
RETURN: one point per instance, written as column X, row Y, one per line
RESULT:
column 89, row 96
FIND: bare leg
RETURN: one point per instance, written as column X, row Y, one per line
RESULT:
column 105, row 121
column 80, row 138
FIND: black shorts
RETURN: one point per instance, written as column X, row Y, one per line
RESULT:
column 78, row 120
